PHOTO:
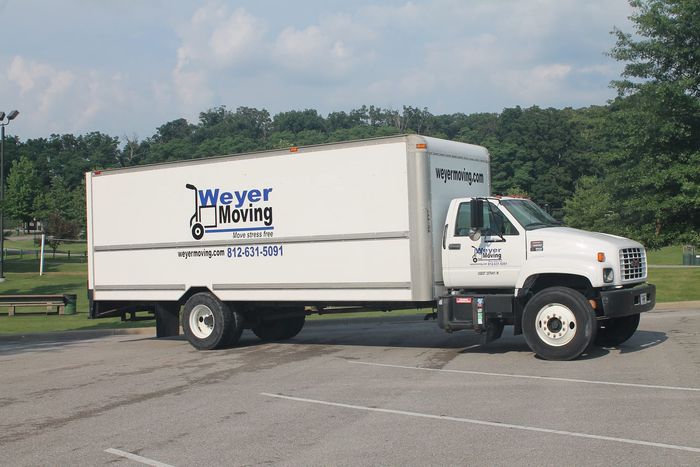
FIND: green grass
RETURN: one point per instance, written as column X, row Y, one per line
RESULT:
column 60, row 277
column 70, row 277
column 676, row 285
column 23, row 323
column 28, row 244
column 668, row 255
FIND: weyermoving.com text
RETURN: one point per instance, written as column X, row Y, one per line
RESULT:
column 201, row 253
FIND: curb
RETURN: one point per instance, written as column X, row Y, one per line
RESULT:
column 58, row 336
column 676, row 306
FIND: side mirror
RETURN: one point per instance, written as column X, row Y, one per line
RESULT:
column 476, row 206
column 477, row 213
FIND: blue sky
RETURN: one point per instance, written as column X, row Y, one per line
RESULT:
column 125, row 67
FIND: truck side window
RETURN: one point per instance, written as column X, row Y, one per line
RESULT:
column 493, row 219
column 464, row 218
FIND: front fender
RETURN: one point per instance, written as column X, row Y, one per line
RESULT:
column 592, row 271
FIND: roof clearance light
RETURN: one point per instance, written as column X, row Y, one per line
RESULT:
column 421, row 146
column 601, row 257
column 294, row 149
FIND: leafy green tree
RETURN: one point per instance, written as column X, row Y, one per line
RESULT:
column 666, row 48
column 299, row 120
column 58, row 199
column 62, row 210
column 23, row 187
column 537, row 150
column 592, row 207
column 58, row 229
column 654, row 171
column 175, row 129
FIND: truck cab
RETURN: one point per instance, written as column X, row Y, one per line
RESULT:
column 507, row 261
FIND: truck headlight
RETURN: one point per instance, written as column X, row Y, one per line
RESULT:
column 608, row 275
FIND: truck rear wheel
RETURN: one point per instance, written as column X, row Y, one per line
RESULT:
column 559, row 323
column 615, row 331
column 208, row 323
column 280, row 329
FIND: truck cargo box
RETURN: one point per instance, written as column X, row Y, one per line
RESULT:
column 352, row 222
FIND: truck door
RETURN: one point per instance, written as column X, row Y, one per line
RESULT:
column 493, row 260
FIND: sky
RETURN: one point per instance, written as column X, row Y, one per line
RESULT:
column 125, row 67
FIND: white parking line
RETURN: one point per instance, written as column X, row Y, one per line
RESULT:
column 486, row 423
column 137, row 458
column 548, row 378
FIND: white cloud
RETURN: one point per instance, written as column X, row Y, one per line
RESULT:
column 57, row 100
column 177, row 59
column 235, row 38
column 215, row 41
column 218, row 37
column 314, row 51
column 551, row 73
column 45, row 83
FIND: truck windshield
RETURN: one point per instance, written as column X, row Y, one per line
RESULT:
column 529, row 215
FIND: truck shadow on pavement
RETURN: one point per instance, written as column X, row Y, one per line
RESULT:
column 462, row 343
column 360, row 336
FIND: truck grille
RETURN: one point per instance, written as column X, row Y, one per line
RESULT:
column 633, row 263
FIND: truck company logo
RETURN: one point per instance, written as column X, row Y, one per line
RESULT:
column 482, row 254
column 458, row 176
column 245, row 213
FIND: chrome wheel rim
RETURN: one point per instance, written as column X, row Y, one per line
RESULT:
column 556, row 325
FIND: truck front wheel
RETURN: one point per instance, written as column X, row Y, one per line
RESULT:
column 208, row 323
column 559, row 323
column 615, row 331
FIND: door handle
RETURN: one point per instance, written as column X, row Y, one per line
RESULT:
column 454, row 246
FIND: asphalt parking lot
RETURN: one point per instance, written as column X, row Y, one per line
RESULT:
column 394, row 393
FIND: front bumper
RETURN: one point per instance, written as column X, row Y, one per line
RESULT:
column 625, row 302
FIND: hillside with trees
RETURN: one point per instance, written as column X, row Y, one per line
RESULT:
column 630, row 166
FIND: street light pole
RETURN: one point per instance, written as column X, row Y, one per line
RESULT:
column 11, row 116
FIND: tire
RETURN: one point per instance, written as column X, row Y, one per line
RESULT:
column 208, row 323
column 559, row 324
column 614, row 331
column 279, row 330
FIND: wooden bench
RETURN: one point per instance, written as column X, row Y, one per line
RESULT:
column 53, row 303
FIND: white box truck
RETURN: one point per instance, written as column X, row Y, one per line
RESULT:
column 258, row 241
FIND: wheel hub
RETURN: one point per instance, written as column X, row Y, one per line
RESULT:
column 555, row 324
column 201, row 321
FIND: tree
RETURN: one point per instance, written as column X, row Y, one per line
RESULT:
column 669, row 50
column 58, row 229
column 592, row 208
column 58, row 199
column 654, row 172
column 537, row 150
column 22, row 189
column 175, row 129
column 296, row 121
column 63, row 212
column 131, row 153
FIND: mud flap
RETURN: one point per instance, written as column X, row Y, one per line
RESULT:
column 167, row 319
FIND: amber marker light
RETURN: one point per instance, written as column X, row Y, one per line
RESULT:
column 421, row 146
column 294, row 149
column 601, row 257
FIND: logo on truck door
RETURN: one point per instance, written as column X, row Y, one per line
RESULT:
column 245, row 213
column 487, row 256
